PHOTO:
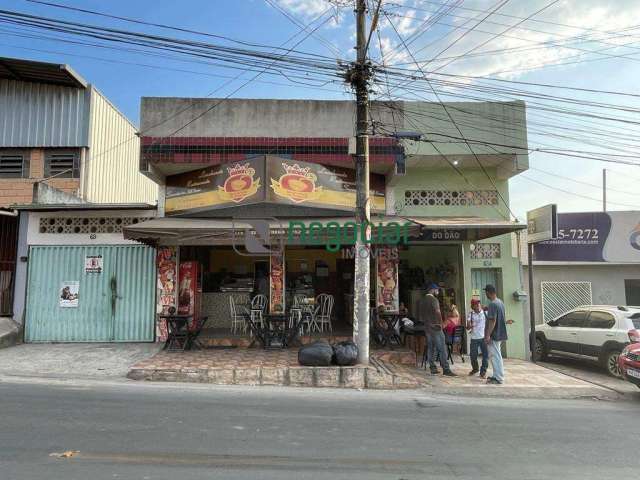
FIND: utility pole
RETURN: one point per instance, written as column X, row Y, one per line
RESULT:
column 604, row 189
column 359, row 78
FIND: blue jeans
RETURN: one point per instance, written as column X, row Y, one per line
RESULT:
column 436, row 346
column 475, row 345
column 495, row 356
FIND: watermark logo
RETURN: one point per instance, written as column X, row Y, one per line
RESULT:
column 634, row 238
column 259, row 236
column 268, row 236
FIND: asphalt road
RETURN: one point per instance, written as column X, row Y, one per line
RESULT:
column 148, row 431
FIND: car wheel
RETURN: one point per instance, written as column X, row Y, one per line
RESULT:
column 541, row 349
column 610, row 362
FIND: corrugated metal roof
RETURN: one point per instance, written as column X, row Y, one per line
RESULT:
column 40, row 72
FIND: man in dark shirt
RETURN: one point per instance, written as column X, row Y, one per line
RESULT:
column 495, row 333
column 429, row 313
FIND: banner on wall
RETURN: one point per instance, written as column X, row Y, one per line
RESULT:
column 612, row 237
column 276, row 289
column 166, row 260
column 387, row 291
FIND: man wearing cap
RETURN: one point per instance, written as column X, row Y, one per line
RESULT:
column 430, row 315
column 495, row 332
column 476, row 321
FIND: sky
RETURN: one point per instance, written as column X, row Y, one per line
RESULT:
column 586, row 44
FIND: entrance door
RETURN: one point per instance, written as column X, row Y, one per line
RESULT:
column 114, row 304
column 481, row 277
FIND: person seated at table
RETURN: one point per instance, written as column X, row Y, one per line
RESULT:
column 404, row 320
column 452, row 321
column 377, row 323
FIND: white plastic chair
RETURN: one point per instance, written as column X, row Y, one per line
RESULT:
column 322, row 313
column 258, row 307
column 238, row 322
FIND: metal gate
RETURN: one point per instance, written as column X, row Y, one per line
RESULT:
column 8, row 246
column 560, row 297
column 115, row 305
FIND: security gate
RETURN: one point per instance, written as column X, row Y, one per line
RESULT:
column 90, row 294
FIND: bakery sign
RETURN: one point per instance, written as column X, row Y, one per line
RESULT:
column 268, row 179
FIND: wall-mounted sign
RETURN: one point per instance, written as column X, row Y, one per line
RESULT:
column 93, row 264
column 268, row 179
column 444, row 235
column 542, row 223
column 226, row 185
column 593, row 237
column 69, row 294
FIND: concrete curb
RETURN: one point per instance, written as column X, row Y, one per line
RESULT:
column 356, row 377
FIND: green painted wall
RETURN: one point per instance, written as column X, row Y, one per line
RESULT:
column 448, row 179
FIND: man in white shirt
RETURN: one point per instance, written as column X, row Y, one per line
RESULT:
column 475, row 323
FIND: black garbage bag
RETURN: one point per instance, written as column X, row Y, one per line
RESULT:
column 345, row 353
column 316, row 354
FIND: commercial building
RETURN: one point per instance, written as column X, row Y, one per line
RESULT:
column 69, row 180
column 595, row 260
column 255, row 196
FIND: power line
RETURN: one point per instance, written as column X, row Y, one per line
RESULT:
column 575, row 194
column 552, row 174
column 454, row 123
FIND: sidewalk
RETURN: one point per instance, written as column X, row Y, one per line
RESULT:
column 280, row 367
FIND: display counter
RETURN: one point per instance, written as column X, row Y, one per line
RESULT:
column 215, row 305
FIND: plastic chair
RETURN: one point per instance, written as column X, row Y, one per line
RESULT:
column 237, row 319
column 258, row 307
column 322, row 313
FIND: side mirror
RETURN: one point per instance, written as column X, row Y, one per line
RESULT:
column 553, row 323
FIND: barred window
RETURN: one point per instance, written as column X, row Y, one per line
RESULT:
column 14, row 165
column 486, row 250
column 87, row 224
column 62, row 164
column 446, row 198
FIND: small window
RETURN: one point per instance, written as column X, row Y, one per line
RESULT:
column 572, row 319
column 601, row 320
column 14, row 165
column 61, row 164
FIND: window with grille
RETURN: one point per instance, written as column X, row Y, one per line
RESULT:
column 14, row 165
column 61, row 164
column 446, row 198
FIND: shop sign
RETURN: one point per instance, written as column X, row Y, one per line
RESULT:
column 268, row 179
column 593, row 237
column 93, row 264
column 444, row 235
column 311, row 184
column 276, row 291
column 69, row 294
column 387, row 291
column 236, row 183
column 542, row 223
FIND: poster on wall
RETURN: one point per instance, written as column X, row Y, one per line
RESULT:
column 276, row 291
column 69, row 294
column 93, row 264
column 166, row 264
column 187, row 291
column 387, row 291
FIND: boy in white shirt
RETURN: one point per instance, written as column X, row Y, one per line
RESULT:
column 475, row 323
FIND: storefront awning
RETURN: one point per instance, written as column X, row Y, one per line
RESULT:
column 198, row 231
column 463, row 228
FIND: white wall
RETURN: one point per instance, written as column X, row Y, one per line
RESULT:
column 34, row 237
column 111, row 169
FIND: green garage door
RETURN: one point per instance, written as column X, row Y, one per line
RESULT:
column 90, row 294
